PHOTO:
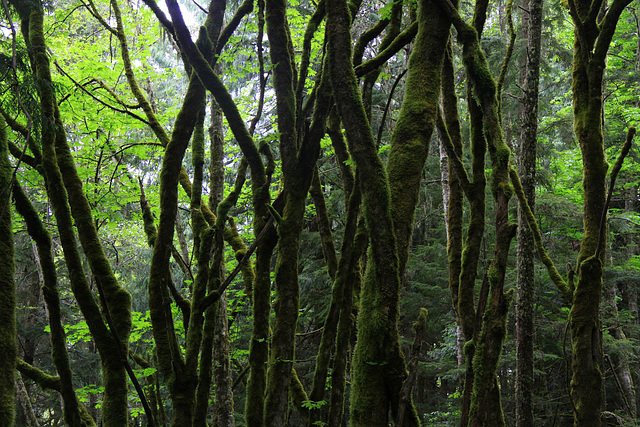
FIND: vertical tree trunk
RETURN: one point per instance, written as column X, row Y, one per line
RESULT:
column 8, row 344
column 532, row 28
column 593, row 34
column 379, row 367
column 221, row 364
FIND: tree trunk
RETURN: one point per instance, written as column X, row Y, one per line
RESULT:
column 532, row 28
column 593, row 34
column 379, row 366
column 8, row 344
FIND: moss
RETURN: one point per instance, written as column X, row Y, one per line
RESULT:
column 74, row 413
column 57, row 158
column 8, row 342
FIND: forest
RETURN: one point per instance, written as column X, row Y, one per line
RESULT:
column 319, row 213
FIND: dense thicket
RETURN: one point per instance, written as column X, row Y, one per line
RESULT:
column 301, row 213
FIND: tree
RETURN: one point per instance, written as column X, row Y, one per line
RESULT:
column 274, row 280
column 532, row 29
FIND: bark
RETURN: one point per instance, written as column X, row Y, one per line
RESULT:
column 490, row 324
column 299, row 153
column 379, row 367
column 57, row 158
column 452, row 188
column 8, row 343
column 74, row 413
column 593, row 35
column 412, row 134
column 525, row 297
column 221, row 364
column 285, row 306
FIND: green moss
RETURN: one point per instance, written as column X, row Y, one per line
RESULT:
column 8, row 342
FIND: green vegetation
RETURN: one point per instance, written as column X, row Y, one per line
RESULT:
column 232, row 213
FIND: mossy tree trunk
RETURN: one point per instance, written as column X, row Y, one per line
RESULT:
column 379, row 366
column 57, row 159
column 482, row 393
column 75, row 414
column 594, row 29
column 299, row 150
column 8, row 343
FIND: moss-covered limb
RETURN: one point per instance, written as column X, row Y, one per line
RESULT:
column 374, row 388
column 612, row 183
column 154, row 123
column 507, row 57
column 563, row 286
column 215, row 86
column 352, row 283
column 24, row 131
column 339, row 145
column 44, row 380
column 324, row 226
column 282, row 352
column 366, row 37
column 310, row 145
column 243, row 10
column 298, row 395
column 412, row 134
column 234, row 240
column 198, row 223
column 59, row 354
column 222, row 368
column 8, row 343
column 205, row 364
column 151, row 233
column 259, row 346
column 312, row 27
column 419, row 327
column 398, row 43
column 607, row 28
column 475, row 231
column 216, row 157
column 454, row 186
column 284, row 82
column 258, row 355
column 196, row 337
column 215, row 316
column 289, row 229
column 339, row 303
column 392, row 24
column 159, row 272
column 485, row 407
column 114, row 377
column 586, row 340
column 172, row 172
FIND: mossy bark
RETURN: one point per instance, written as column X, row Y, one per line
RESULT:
column 56, row 158
column 299, row 153
column 282, row 351
column 379, row 367
column 490, row 324
column 412, row 134
column 258, row 350
column 74, row 413
column 593, row 35
column 8, row 343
